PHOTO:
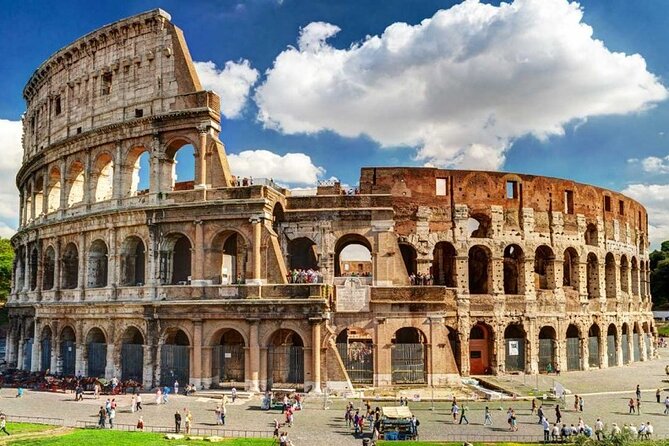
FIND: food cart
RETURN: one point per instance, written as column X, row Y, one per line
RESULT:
column 395, row 423
column 278, row 394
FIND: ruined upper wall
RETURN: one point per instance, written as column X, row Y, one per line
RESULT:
column 132, row 68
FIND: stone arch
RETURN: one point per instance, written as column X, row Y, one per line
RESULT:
column 180, row 149
column 594, row 334
column 76, row 183
column 547, row 349
column 610, row 275
column 409, row 256
column 544, row 268
column 278, row 216
column 409, row 356
column 359, row 267
column 46, row 343
column 302, row 254
column 68, row 350
column 228, row 257
column 624, row 274
column 285, row 358
column 443, row 264
column 515, row 345
column 175, row 357
column 133, row 261
column 480, row 270
column 176, row 259
column 481, row 347
column 591, row 235
column 228, row 357
column 54, row 185
column 38, row 192
column 102, row 177
column 592, row 276
column 132, row 354
column 28, row 208
column 98, row 264
column 573, row 341
column 96, row 352
column 611, row 340
column 625, row 340
column 514, row 270
column 70, row 267
column 49, row 268
column 356, row 350
column 136, row 173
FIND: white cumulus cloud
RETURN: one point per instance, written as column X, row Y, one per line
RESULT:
column 655, row 198
column 653, row 164
column 291, row 168
column 233, row 83
column 459, row 86
column 10, row 162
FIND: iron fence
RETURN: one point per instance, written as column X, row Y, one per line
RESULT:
column 230, row 433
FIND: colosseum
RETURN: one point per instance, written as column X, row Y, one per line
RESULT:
column 222, row 282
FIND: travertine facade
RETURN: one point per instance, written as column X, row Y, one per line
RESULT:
column 110, row 280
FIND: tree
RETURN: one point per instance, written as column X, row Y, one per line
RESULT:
column 6, row 262
column 659, row 275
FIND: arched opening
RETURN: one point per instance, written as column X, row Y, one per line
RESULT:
column 136, row 179
column 29, row 216
column 28, row 347
column 182, row 155
column 175, row 260
column 228, row 258
column 68, row 351
column 625, row 341
column 96, row 351
column 103, row 178
column 76, row 180
column 285, row 359
column 611, row 336
column 175, row 358
column 514, row 342
column 570, row 269
column 591, row 236
column 97, row 264
column 547, row 349
column 480, row 349
column 573, row 348
column 70, row 267
column 49, row 266
column 132, row 355
column 443, row 265
column 610, row 276
column 478, row 226
column 514, row 261
column 353, row 256
column 479, row 270
column 20, row 268
column 34, row 263
column 39, row 196
column 593, row 345
column 277, row 217
column 544, row 271
column 228, row 359
column 53, row 190
column 302, row 254
column 635, row 277
column 356, row 351
column 409, row 257
column 636, row 345
column 133, row 262
column 624, row 274
column 592, row 276
column 46, row 341
column 409, row 357
column 456, row 348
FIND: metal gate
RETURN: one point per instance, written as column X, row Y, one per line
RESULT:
column 546, row 353
column 636, row 346
column 573, row 354
column 228, row 363
column 174, row 364
column 132, row 362
column 28, row 354
column 286, row 364
column 358, row 359
column 593, row 351
column 45, row 355
column 611, row 350
column 97, row 359
column 68, row 354
column 408, row 364
column 514, row 354
column 626, row 348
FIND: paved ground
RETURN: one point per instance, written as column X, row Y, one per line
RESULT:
column 606, row 393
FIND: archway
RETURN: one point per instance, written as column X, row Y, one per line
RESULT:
column 610, row 276
column 285, row 358
column 70, row 267
column 356, row 351
column 479, row 270
column 408, row 357
column 573, row 348
column 68, row 351
column 591, row 236
column 96, row 351
column 28, row 347
column 175, row 358
column 570, row 268
column 182, row 155
column 97, row 264
column 278, row 217
column 133, row 262
column 136, row 179
column 547, row 349
column 53, row 190
column 409, row 257
column 625, row 341
column 593, row 345
column 46, row 342
column 228, row 359
column 624, row 274
column 175, row 260
column 302, row 254
column 39, row 196
column 353, row 256
column 228, row 258
column 611, row 336
column 592, row 276
column 443, row 265
column 514, row 342
column 456, row 348
column 480, row 349
column 544, row 271
column 514, row 261
column 49, row 265
column 132, row 355
column 76, row 178
column 103, row 178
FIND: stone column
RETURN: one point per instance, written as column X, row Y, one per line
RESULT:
column 19, row 351
column 119, row 168
column 585, row 350
column 34, row 360
column 196, row 370
column 198, row 267
column 496, row 271
column 45, row 191
column 630, row 343
column 262, row 372
column 149, row 366
column 642, row 344
column 254, row 374
column 316, row 354
column 63, row 187
column 79, row 364
column 201, row 161
column 88, row 180
column 110, row 368
column 532, row 344
column 27, row 267
column 619, row 347
column 382, row 354
column 528, row 278
column 257, row 233
column 603, row 348
column 83, row 270
column 462, row 274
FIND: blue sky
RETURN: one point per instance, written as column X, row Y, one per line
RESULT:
column 604, row 127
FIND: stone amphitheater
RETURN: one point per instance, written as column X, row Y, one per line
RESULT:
column 191, row 280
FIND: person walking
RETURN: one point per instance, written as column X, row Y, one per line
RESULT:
column 580, row 404
column 140, row 424
column 177, row 422
column 133, row 403
column 176, row 387
column 112, row 417
column 540, row 413
column 487, row 417
column 454, row 411
column 658, row 395
column 666, row 406
column 575, row 403
column 138, row 402
column 189, row 421
column 102, row 418
column 463, row 415
column 3, row 424
column 638, row 406
column 599, row 429
column 534, row 407
column 558, row 414
column 638, row 392
column 547, row 430
column 233, row 392
column 631, row 406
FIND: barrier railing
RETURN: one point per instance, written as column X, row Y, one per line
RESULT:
column 230, row 433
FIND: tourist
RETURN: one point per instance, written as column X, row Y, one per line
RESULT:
column 575, row 403
column 547, row 429
column 414, row 427
column 176, row 387
column 487, row 417
column 166, row 392
column 347, row 415
column 140, row 424
column 217, row 412
column 534, row 407
column 580, row 404
column 649, row 430
column 96, row 390
column 277, row 425
column 177, row 421
column 159, row 395
column 641, row 432
column 463, row 415
column 658, row 395
column 558, row 414
column 112, row 417
column 599, row 429
column 638, row 406
column 234, row 394
column 133, row 403
column 139, row 402
column 638, row 392
column 3, row 424
column 224, row 411
column 631, row 406
column 615, row 430
column 540, row 412
column 514, row 421
column 189, row 422
column 19, row 392
column 454, row 411
column 102, row 418
column 356, row 419
column 581, row 425
column 666, row 405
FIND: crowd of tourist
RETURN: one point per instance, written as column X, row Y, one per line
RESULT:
column 305, row 276
column 421, row 279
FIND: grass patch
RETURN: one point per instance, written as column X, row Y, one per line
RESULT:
column 119, row 438
column 22, row 428
column 663, row 329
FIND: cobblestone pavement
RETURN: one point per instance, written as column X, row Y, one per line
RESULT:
column 606, row 393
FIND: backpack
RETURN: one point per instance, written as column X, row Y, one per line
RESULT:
column 417, row 423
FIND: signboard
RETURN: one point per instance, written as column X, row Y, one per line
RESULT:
column 352, row 296
column 513, row 348
column 228, row 355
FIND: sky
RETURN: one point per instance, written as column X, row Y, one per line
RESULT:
column 313, row 90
